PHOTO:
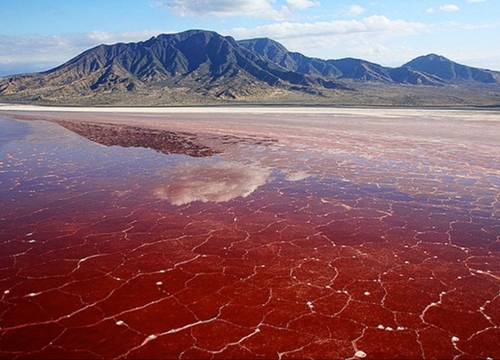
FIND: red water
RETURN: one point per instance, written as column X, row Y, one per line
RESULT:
column 287, row 251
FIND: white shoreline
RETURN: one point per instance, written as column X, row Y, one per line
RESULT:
column 374, row 112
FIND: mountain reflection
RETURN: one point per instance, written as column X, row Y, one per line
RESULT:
column 167, row 142
column 211, row 181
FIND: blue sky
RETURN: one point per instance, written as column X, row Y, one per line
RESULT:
column 39, row 34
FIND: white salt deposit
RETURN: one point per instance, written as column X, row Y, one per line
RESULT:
column 360, row 354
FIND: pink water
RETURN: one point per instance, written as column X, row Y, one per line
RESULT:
column 339, row 245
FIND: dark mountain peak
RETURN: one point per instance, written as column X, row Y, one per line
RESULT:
column 184, row 35
column 273, row 51
column 450, row 71
column 427, row 60
column 264, row 46
column 200, row 37
column 270, row 50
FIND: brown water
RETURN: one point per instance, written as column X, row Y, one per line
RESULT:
column 376, row 238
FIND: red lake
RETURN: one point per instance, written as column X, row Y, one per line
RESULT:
column 250, row 233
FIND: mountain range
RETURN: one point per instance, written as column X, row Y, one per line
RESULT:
column 204, row 67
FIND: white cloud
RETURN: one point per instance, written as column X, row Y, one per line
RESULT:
column 371, row 38
column 223, row 8
column 430, row 10
column 372, row 26
column 32, row 53
column 299, row 4
column 449, row 8
column 211, row 182
column 233, row 8
column 355, row 10
column 103, row 37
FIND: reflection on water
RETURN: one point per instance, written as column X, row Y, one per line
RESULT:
column 343, row 250
column 211, row 181
column 12, row 130
column 167, row 142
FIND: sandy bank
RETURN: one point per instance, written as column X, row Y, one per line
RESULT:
column 491, row 115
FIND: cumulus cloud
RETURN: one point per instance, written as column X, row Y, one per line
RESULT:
column 211, row 182
column 31, row 53
column 449, row 8
column 355, row 10
column 254, row 8
column 318, row 38
column 364, row 38
column 377, row 25
column 299, row 4
column 232, row 8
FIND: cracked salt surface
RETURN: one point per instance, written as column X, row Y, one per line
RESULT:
column 343, row 239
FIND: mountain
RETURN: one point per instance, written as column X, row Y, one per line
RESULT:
column 200, row 62
column 450, row 71
column 420, row 71
column 203, row 67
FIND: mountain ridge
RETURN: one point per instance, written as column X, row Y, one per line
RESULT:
column 201, row 67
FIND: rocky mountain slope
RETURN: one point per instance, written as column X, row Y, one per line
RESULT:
column 425, row 70
column 203, row 67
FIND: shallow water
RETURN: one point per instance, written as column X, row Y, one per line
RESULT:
column 12, row 130
column 336, row 245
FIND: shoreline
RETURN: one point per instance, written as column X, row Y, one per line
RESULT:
column 316, row 127
column 238, row 108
